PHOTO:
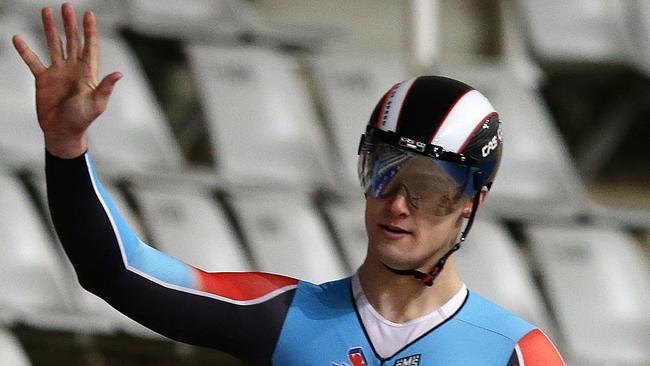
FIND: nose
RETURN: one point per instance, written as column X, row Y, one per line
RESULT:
column 398, row 204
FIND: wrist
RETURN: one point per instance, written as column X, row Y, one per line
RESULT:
column 66, row 146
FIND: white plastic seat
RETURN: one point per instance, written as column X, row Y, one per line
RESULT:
column 21, row 140
column 11, row 352
column 190, row 226
column 347, row 217
column 32, row 283
column 350, row 87
column 492, row 265
column 598, row 283
column 261, row 122
column 190, row 19
column 132, row 133
column 593, row 30
column 536, row 176
column 286, row 236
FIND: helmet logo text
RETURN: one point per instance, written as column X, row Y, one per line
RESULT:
column 490, row 146
column 412, row 144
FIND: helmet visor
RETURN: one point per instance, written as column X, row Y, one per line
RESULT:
column 431, row 185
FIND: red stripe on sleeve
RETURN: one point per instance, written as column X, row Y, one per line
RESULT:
column 537, row 350
column 242, row 286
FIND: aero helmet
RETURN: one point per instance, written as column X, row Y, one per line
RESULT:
column 438, row 125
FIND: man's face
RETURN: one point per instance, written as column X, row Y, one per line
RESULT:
column 402, row 236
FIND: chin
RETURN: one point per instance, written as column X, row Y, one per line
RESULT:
column 397, row 255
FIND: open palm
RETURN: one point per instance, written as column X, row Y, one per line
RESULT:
column 68, row 95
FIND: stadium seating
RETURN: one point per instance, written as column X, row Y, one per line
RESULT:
column 638, row 21
column 285, row 235
column 193, row 19
column 187, row 224
column 597, row 282
column 21, row 139
column 32, row 285
column 261, row 122
column 349, row 87
column 347, row 217
column 132, row 133
column 589, row 30
column 11, row 352
column 492, row 265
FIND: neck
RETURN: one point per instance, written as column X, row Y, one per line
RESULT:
column 401, row 298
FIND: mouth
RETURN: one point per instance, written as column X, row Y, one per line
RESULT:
column 394, row 231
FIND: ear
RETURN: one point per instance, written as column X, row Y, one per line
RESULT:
column 467, row 210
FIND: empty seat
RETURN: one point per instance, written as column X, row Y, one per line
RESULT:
column 590, row 30
column 193, row 19
column 350, row 87
column 638, row 21
column 11, row 352
column 188, row 224
column 32, row 283
column 261, row 121
column 598, row 283
column 492, row 265
column 347, row 217
column 21, row 140
column 286, row 236
column 132, row 133
column 537, row 176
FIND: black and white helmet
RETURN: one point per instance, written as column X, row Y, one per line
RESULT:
column 440, row 125
column 438, row 112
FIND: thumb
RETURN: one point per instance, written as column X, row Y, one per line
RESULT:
column 105, row 87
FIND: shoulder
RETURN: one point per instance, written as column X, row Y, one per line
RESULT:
column 325, row 294
column 535, row 349
column 329, row 290
column 483, row 314
column 529, row 343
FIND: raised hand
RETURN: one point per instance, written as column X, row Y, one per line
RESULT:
column 68, row 95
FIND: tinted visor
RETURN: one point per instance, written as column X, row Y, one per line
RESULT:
column 432, row 185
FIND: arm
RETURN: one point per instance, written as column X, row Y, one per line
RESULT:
column 240, row 313
column 535, row 349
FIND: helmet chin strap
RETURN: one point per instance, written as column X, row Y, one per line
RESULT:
column 428, row 278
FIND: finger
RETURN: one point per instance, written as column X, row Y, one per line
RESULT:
column 91, row 42
column 52, row 36
column 105, row 87
column 31, row 59
column 73, row 40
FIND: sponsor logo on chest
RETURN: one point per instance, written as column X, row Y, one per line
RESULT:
column 408, row 361
column 355, row 356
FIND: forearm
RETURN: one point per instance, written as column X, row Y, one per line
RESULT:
column 81, row 221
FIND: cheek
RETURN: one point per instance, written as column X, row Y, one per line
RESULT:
column 437, row 231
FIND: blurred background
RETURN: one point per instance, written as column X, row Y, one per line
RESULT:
column 231, row 144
